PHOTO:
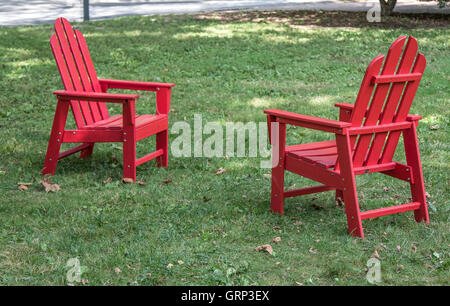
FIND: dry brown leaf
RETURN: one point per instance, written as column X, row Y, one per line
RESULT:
column 167, row 181
column 298, row 223
column 141, row 183
column 398, row 248
column 23, row 187
column 49, row 187
column 276, row 240
column 427, row 195
column 117, row 270
column 127, row 180
column 220, row 170
column 339, row 202
column 298, row 283
column 84, row 281
column 385, row 189
column 312, row 251
column 375, row 254
column 276, row 227
column 414, row 248
column 265, row 247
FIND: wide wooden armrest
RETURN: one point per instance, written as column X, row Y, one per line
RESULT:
column 133, row 85
column 349, row 107
column 94, row 96
column 316, row 123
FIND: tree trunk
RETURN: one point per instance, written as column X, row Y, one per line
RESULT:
column 387, row 7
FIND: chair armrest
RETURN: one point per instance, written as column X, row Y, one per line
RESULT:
column 316, row 123
column 132, row 85
column 94, row 96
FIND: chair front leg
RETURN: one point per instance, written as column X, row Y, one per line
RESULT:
column 278, row 165
column 162, row 142
column 129, row 141
column 349, row 190
column 56, row 135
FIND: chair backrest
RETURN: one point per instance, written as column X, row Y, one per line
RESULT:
column 77, row 72
column 386, row 97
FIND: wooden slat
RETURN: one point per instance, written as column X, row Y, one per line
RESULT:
column 82, row 72
column 73, row 72
column 389, row 210
column 393, row 100
column 403, row 109
column 396, row 78
column 65, row 77
column 378, row 100
column 91, row 72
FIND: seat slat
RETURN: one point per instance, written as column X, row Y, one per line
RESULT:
column 116, row 122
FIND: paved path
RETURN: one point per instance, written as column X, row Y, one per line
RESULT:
column 30, row 12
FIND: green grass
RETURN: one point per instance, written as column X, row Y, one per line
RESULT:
column 227, row 71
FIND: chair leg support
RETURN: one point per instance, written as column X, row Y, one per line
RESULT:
column 162, row 142
column 85, row 153
column 54, row 144
column 417, row 187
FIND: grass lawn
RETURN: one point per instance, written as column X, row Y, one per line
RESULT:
column 187, row 225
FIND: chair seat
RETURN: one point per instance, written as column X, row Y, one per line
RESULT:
column 116, row 122
column 323, row 154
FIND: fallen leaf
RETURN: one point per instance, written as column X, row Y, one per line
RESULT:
column 108, row 180
column 244, row 196
column 398, row 248
column 400, row 267
column 167, row 181
column 220, row 170
column 169, row 266
column 265, row 247
column 312, row 251
column 117, row 270
column 434, row 127
column 375, row 255
column 276, row 239
column 180, row 262
column 414, row 248
column 23, row 187
column 427, row 195
column 267, row 175
column 84, row 281
column 205, row 199
column 49, row 187
column 339, row 202
column 127, row 180
column 141, row 183
column 277, row 263
column 298, row 223
column 385, row 189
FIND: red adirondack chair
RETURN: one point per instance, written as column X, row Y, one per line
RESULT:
column 87, row 96
column 366, row 137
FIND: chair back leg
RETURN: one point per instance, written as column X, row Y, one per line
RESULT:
column 162, row 142
column 87, row 152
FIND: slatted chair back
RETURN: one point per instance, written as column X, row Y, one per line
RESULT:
column 385, row 97
column 77, row 72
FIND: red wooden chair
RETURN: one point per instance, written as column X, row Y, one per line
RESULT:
column 87, row 96
column 367, row 135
